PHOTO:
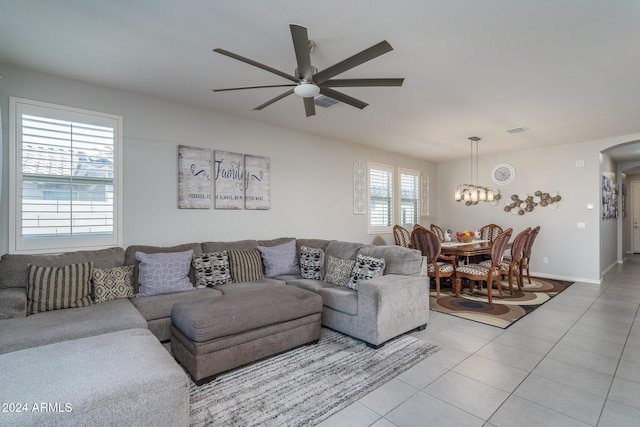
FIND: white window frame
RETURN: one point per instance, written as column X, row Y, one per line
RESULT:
column 416, row 175
column 374, row 229
column 17, row 244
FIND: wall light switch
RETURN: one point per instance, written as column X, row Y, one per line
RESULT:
column 590, row 206
column 579, row 163
column 582, row 225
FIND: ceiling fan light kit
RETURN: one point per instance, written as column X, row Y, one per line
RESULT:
column 306, row 90
column 308, row 82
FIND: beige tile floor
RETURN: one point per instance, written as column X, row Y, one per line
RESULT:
column 575, row 361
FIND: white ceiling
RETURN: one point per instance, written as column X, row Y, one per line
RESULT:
column 568, row 70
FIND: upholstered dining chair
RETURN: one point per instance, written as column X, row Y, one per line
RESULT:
column 511, row 264
column 438, row 231
column 438, row 266
column 402, row 236
column 478, row 273
column 490, row 232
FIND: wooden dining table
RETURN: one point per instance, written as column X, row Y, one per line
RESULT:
column 476, row 247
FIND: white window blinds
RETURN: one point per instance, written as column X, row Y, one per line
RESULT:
column 380, row 198
column 66, row 189
column 409, row 197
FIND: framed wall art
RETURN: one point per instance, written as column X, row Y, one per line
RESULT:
column 194, row 177
column 228, row 173
column 257, row 189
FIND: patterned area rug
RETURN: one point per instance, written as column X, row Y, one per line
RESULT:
column 304, row 386
column 503, row 312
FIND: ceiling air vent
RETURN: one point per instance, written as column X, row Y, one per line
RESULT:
column 516, row 130
column 324, row 101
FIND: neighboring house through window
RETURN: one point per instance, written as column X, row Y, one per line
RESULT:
column 65, row 178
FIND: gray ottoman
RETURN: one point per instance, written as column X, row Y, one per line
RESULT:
column 221, row 333
column 121, row 378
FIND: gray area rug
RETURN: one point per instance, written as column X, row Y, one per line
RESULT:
column 304, row 386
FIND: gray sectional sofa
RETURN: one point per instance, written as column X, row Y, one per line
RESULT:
column 380, row 309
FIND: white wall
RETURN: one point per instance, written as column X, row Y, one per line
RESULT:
column 311, row 177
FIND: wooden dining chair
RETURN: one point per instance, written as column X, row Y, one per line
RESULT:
column 402, row 236
column 438, row 231
column 526, row 255
column 478, row 273
column 511, row 264
column 438, row 265
column 490, row 232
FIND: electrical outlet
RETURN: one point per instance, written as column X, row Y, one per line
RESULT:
column 545, row 260
column 582, row 225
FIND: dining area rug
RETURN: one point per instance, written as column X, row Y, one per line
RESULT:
column 502, row 312
column 303, row 386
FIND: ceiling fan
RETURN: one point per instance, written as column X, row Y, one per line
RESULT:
column 309, row 82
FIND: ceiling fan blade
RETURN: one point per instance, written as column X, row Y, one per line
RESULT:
column 271, row 101
column 256, row 64
column 362, row 82
column 309, row 107
column 353, row 61
column 301, row 47
column 251, row 87
column 339, row 96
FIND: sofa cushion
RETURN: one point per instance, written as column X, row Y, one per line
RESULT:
column 53, row 288
column 340, row 299
column 159, row 306
column 311, row 262
column 64, row 325
column 246, row 266
column 280, row 259
column 14, row 269
column 398, row 260
column 113, row 283
column 239, row 245
column 212, row 269
column 345, row 250
column 365, row 268
column 309, row 284
column 130, row 257
column 164, row 273
column 123, row 378
column 339, row 270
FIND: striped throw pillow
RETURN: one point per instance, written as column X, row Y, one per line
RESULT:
column 55, row 288
column 246, row 266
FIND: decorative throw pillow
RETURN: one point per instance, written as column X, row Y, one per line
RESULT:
column 338, row 270
column 212, row 269
column 164, row 273
column 280, row 259
column 246, row 266
column 311, row 262
column 55, row 288
column 113, row 283
column 365, row 268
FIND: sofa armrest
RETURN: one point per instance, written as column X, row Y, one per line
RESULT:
column 391, row 305
column 13, row 303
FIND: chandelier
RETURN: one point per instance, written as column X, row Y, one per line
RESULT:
column 473, row 193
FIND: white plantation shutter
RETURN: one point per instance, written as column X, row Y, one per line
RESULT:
column 380, row 198
column 66, row 178
column 409, row 197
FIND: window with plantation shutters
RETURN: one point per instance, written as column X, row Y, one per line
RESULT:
column 409, row 197
column 380, row 198
column 65, row 177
